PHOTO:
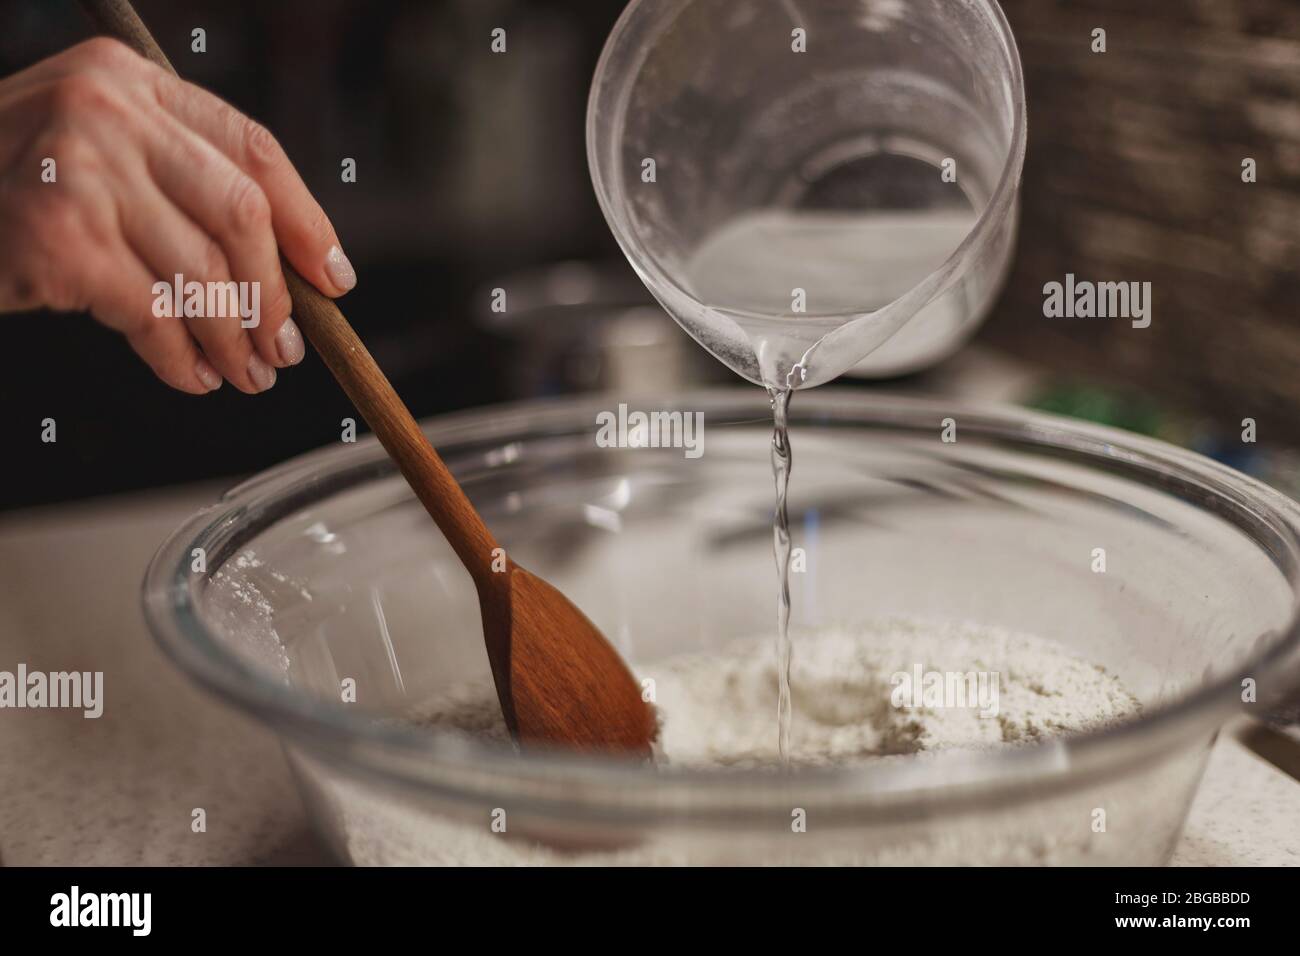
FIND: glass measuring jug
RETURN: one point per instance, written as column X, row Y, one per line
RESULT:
column 813, row 182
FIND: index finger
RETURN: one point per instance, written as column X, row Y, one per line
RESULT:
column 304, row 232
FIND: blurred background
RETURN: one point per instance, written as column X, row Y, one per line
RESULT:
column 472, row 174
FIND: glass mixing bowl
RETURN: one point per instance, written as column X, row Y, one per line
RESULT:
column 323, row 578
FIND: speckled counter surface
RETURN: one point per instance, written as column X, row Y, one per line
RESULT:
column 122, row 789
column 1247, row 812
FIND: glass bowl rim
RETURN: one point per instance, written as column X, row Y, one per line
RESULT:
column 621, row 789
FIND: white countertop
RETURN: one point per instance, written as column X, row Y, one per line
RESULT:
column 121, row 789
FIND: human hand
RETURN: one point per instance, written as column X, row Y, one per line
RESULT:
column 154, row 177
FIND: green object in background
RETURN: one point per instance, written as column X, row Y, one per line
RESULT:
column 1276, row 466
column 1109, row 407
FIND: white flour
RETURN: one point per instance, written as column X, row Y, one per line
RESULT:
column 719, row 708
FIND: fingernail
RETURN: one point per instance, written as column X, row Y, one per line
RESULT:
column 340, row 270
column 288, row 342
column 263, row 375
column 208, row 376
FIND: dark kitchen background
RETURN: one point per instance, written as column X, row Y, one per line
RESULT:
column 472, row 173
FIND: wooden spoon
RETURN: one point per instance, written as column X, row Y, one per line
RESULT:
column 558, row 679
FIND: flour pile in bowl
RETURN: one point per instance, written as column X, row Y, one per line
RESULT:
column 860, row 692
column 718, row 711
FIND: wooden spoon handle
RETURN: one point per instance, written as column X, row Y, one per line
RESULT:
column 348, row 359
column 361, row 378
column 118, row 18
